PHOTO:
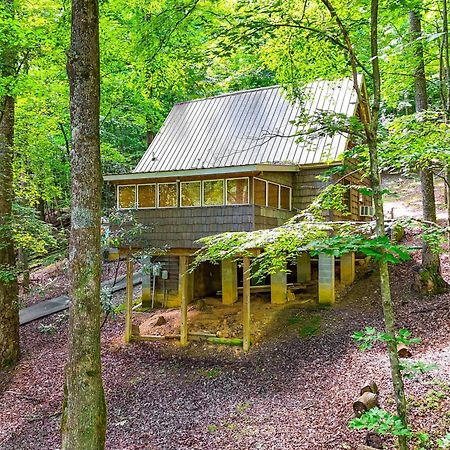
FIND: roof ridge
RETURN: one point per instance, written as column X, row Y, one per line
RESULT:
column 227, row 94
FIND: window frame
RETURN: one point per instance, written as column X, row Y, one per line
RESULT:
column 223, row 192
column 267, row 191
column 181, row 194
column 156, row 196
column 177, row 195
column 118, row 199
column 279, row 194
column 226, row 191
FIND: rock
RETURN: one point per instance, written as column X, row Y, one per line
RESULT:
column 161, row 320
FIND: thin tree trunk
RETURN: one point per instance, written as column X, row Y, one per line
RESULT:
column 9, row 308
column 446, row 56
column 429, row 280
column 84, row 408
column 370, row 119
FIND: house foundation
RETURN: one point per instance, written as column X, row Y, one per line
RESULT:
column 326, row 279
column 347, row 268
column 304, row 267
column 229, row 282
column 278, row 288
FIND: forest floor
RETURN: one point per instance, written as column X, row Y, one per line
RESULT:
column 293, row 390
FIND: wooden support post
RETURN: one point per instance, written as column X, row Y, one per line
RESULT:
column 229, row 282
column 246, row 305
column 278, row 288
column 146, row 282
column 303, row 267
column 185, row 293
column 129, row 301
column 347, row 268
column 326, row 279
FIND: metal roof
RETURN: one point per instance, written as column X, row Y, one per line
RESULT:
column 248, row 127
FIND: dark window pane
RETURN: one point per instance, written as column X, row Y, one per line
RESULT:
column 190, row 194
column 260, row 193
column 237, row 191
column 167, row 195
column 285, row 198
column 147, row 196
column 213, row 192
column 126, row 196
column 273, row 195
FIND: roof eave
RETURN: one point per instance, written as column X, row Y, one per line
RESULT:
column 251, row 168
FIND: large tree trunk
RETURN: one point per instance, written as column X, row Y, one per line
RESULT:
column 9, row 308
column 370, row 118
column 429, row 279
column 84, row 408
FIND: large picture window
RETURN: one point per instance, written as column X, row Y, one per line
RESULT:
column 146, row 195
column 285, row 197
column 273, row 195
column 167, row 195
column 191, row 193
column 126, row 197
column 260, row 192
column 237, row 191
column 213, row 192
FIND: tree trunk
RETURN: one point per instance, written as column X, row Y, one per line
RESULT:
column 84, row 409
column 369, row 119
column 9, row 308
column 429, row 280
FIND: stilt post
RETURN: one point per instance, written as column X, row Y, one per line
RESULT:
column 347, row 268
column 129, row 300
column 326, row 279
column 229, row 282
column 184, row 284
column 246, row 304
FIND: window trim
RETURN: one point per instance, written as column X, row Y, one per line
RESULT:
column 177, row 195
column 223, row 193
column 226, row 191
column 181, row 194
column 290, row 197
column 135, row 196
column 156, row 196
column 266, row 187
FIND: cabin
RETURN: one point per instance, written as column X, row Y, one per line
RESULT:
column 233, row 162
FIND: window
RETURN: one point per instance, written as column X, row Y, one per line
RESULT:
column 146, row 195
column 285, row 198
column 167, row 195
column 191, row 193
column 126, row 197
column 213, row 192
column 273, row 195
column 260, row 192
column 237, row 191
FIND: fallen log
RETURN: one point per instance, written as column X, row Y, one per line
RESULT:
column 369, row 386
column 365, row 447
column 403, row 351
column 367, row 401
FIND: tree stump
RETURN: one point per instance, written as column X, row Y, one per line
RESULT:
column 374, row 440
column 367, row 401
column 369, row 386
column 403, row 351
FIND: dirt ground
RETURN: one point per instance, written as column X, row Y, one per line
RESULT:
column 293, row 390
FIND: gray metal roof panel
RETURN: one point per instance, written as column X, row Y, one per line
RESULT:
column 247, row 127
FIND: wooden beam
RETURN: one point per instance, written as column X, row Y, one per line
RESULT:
column 129, row 301
column 246, row 305
column 184, row 288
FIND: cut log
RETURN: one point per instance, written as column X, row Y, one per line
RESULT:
column 225, row 341
column 403, row 351
column 367, row 401
column 369, row 386
column 374, row 440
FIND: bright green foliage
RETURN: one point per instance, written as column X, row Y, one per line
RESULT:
column 380, row 421
column 370, row 336
column 411, row 369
